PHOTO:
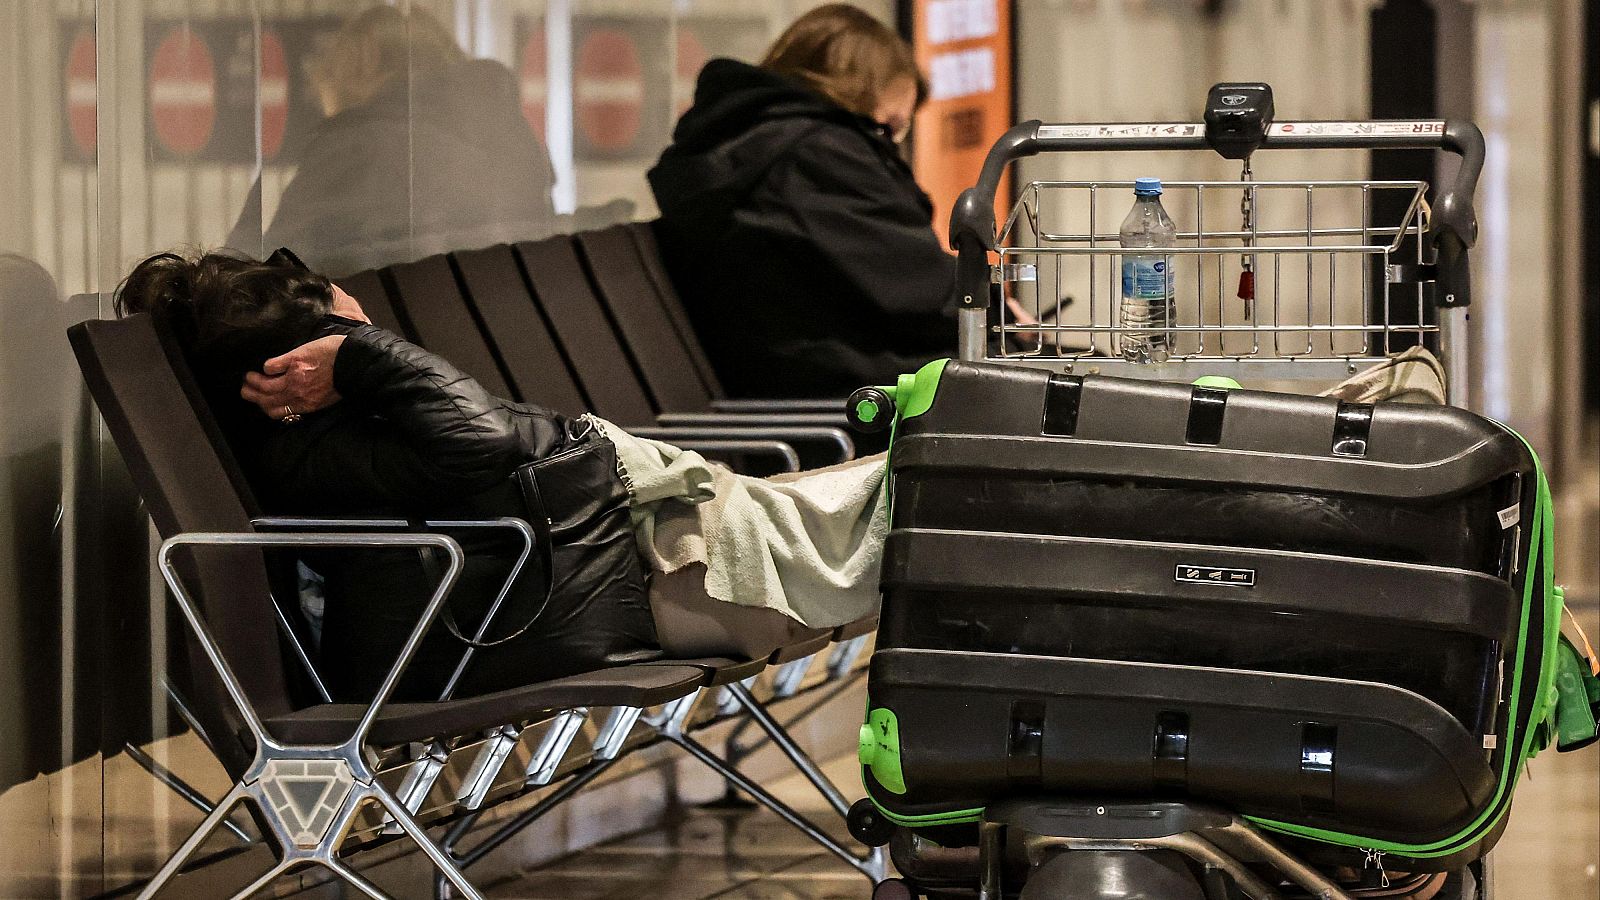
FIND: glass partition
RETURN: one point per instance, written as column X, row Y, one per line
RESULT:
column 358, row 133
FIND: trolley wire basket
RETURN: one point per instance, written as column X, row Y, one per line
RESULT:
column 1272, row 280
column 1306, row 274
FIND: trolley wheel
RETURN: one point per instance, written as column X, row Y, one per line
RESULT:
column 868, row 825
column 869, row 410
column 893, row 889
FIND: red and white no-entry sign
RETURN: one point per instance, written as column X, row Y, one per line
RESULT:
column 272, row 93
column 533, row 81
column 81, row 91
column 608, row 90
column 183, row 91
column 692, row 58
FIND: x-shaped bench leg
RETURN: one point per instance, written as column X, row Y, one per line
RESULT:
column 308, row 806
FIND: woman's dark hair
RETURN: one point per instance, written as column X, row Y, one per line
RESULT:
column 843, row 53
column 230, row 313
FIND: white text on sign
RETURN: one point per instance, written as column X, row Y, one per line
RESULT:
column 961, row 74
column 961, row 20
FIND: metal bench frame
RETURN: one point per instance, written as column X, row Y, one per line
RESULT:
column 342, row 779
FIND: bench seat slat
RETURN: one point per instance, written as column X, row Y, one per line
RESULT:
column 638, row 685
column 521, row 335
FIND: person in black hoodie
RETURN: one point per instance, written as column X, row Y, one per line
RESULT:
column 423, row 151
column 791, row 224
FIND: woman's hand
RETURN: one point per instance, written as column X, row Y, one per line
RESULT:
column 300, row 381
column 1021, row 316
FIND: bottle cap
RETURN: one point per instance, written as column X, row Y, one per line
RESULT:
column 1147, row 187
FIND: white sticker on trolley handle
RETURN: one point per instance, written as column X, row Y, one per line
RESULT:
column 1120, row 131
column 1187, row 574
column 1377, row 129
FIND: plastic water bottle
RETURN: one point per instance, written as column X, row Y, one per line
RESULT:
column 1148, row 304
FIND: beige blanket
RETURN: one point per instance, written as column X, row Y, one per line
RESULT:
column 808, row 545
column 1414, row 376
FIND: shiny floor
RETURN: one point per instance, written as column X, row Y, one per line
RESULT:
column 1550, row 852
column 709, row 852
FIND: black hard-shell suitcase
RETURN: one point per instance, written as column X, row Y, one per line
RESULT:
column 1319, row 614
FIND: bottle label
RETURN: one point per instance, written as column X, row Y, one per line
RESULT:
column 1146, row 278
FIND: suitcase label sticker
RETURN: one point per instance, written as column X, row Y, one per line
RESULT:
column 1188, row 574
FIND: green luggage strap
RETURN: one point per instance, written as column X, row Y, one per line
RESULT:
column 1541, row 591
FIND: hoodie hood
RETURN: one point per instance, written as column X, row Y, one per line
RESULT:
column 731, row 96
column 743, row 120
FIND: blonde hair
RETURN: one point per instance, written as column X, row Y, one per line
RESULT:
column 846, row 55
column 374, row 48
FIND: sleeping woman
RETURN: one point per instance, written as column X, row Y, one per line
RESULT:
column 649, row 546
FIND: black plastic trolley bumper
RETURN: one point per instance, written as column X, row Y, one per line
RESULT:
column 1453, row 227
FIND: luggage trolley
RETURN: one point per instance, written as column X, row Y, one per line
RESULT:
column 991, row 749
column 1336, row 288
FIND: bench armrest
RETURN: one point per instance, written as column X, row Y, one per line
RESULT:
column 836, row 439
column 755, row 419
column 213, row 651
column 787, row 458
column 779, row 405
column 320, row 524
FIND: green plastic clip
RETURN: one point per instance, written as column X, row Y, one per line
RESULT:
column 879, row 750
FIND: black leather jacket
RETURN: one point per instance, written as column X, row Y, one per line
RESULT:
column 414, row 437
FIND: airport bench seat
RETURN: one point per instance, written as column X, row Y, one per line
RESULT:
column 385, row 760
column 588, row 323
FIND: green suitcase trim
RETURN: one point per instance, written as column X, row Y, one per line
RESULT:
column 1546, row 718
column 914, row 394
column 953, row 817
column 1218, row 382
column 1541, row 560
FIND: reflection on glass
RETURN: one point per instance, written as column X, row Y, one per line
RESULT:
column 422, row 150
column 359, row 133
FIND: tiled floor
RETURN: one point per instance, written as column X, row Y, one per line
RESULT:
column 740, row 854
column 1550, row 852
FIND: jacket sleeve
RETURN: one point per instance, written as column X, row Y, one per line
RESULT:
column 838, row 196
column 414, row 431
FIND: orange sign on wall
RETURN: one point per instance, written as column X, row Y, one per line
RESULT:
column 964, row 48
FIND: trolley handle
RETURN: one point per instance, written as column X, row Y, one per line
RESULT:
column 1453, row 228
